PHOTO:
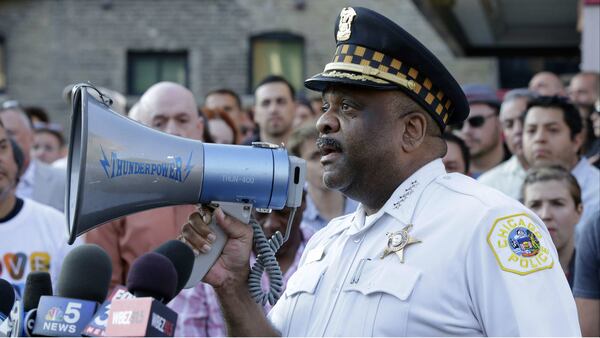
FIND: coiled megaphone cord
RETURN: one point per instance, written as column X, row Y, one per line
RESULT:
column 265, row 260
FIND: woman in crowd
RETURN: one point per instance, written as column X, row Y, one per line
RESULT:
column 554, row 195
column 221, row 127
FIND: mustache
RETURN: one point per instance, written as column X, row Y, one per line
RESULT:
column 329, row 142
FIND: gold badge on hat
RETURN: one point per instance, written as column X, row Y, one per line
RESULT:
column 397, row 241
column 344, row 28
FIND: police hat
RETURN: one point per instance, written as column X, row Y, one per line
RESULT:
column 374, row 52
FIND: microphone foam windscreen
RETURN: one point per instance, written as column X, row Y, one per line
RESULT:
column 85, row 274
column 7, row 297
column 38, row 284
column 153, row 275
column 182, row 257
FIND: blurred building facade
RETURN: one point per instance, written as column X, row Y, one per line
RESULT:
column 126, row 45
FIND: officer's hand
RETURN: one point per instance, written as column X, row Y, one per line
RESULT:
column 232, row 267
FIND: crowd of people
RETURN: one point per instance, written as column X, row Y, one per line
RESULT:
column 538, row 145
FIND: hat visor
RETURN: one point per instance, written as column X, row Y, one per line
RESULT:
column 321, row 81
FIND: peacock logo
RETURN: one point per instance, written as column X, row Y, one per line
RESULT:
column 54, row 314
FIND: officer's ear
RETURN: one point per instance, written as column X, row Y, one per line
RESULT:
column 415, row 130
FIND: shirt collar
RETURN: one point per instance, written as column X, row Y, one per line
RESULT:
column 513, row 163
column 580, row 168
column 404, row 200
column 514, row 166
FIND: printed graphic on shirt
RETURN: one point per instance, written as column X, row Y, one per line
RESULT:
column 518, row 245
column 15, row 264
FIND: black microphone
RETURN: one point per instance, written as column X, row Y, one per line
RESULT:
column 7, row 302
column 182, row 257
column 85, row 274
column 152, row 275
column 38, row 284
column 82, row 284
column 153, row 280
column 7, row 298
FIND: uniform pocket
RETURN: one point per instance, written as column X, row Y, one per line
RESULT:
column 376, row 276
column 300, row 297
column 305, row 279
column 385, row 302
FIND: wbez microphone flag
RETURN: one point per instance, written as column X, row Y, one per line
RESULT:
column 140, row 317
column 82, row 285
column 153, row 279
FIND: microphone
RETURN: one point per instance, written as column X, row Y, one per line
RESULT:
column 7, row 298
column 83, row 283
column 152, row 275
column 182, row 258
column 85, row 274
column 153, row 278
column 7, row 303
column 38, row 284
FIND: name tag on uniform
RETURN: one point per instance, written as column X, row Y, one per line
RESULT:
column 315, row 255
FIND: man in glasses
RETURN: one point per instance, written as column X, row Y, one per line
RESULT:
column 482, row 131
column 508, row 177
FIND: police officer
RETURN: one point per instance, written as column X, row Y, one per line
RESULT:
column 426, row 253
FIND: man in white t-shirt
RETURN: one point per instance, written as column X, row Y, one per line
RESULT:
column 33, row 236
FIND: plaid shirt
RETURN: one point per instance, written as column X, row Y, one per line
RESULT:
column 199, row 313
column 198, row 308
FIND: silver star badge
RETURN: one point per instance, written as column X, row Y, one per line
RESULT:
column 397, row 241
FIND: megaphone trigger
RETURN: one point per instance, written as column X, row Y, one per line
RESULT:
column 204, row 261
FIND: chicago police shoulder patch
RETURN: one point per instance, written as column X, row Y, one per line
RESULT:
column 518, row 245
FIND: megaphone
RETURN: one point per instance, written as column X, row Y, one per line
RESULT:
column 117, row 167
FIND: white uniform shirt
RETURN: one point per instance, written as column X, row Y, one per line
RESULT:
column 456, row 281
column 507, row 177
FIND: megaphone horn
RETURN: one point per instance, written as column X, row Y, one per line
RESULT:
column 117, row 166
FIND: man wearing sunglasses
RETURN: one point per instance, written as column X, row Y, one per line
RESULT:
column 482, row 131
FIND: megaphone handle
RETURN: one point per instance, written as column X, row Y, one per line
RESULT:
column 204, row 261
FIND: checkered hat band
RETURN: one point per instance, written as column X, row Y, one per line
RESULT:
column 376, row 64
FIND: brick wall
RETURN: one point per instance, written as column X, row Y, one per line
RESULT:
column 51, row 43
